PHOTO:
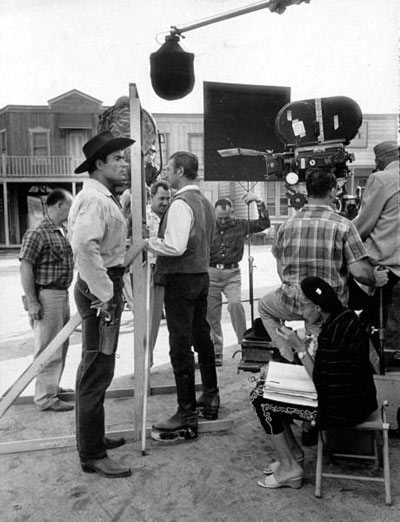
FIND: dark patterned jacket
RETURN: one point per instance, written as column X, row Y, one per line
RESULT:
column 343, row 374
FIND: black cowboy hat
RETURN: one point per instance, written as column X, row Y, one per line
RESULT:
column 102, row 144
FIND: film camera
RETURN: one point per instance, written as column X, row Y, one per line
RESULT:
column 314, row 133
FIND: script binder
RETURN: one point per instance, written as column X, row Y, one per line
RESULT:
column 289, row 383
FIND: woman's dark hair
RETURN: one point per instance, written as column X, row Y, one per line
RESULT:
column 322, row 294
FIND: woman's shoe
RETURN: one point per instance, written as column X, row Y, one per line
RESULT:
column 270, row 482
column 274, row 466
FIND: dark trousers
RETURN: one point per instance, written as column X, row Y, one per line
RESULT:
column 186, row 310
column 96, row 369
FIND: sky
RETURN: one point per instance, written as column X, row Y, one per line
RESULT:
column 324, row 48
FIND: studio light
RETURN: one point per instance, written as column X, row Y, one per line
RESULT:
column 172, row 70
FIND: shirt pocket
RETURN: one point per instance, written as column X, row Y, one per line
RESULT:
column 117, row 230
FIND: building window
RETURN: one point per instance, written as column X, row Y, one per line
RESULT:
column 283, row 202
column 276, row 199
column 3, row 142
column 270, row 200
column 196, row 145
column 40, row 142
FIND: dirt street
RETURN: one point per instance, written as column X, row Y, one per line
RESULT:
column 210, row 479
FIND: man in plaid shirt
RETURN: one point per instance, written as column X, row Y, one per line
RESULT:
column 46, row 274
column 318, row 242
column 226, row 252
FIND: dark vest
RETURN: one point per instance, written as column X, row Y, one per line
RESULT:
column 196, row 258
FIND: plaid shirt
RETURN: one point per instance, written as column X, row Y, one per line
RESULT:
column 228, row 242
column 316, row 242
column 50, row 253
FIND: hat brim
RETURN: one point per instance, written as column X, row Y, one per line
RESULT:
column 107, row 148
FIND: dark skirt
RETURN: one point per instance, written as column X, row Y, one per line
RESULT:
column 273, row 414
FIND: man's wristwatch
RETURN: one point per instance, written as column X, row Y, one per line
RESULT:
column 302, row 354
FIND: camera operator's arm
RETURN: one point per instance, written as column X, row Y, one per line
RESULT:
column 371, row 207
column 263, row 221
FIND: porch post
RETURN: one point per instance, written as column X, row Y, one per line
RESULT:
column 6, row 222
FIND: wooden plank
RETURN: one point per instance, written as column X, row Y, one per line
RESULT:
column 68, row 441
column 138, row 268
column 110, row 394
column 353, row 477
column 38, row 363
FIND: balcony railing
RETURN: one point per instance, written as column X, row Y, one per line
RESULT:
column 38, row 166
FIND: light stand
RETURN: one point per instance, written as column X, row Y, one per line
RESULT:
column 226, row 153
column 250, row 259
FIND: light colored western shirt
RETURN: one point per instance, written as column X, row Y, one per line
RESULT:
column 98, row 236
column 179, row 223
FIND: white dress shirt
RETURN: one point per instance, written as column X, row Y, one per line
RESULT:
column 179, row 223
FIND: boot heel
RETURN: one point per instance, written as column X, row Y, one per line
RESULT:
column 87, row 469
column 295, row 483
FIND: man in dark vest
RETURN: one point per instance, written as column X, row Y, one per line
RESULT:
column 183, row 255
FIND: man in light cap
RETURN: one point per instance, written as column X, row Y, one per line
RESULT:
column 378, row 221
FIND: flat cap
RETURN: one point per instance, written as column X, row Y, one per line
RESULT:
column 386, row 147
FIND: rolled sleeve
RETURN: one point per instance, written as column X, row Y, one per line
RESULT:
column 31, row 248
column 354, row 249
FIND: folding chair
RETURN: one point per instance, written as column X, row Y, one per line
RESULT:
column 376, row 423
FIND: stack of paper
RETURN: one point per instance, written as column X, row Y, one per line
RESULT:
column 289, row 383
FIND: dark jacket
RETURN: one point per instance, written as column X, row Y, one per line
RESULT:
column 343, row 374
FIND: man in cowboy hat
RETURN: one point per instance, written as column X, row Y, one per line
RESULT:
column 378, row 222
column 98, row 239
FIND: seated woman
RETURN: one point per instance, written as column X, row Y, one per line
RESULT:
column 343, row 378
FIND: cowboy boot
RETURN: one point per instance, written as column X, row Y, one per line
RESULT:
column 208, row 402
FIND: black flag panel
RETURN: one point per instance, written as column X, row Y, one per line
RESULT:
column 240, row 116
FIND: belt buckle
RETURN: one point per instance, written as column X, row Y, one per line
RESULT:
column 219, row 266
